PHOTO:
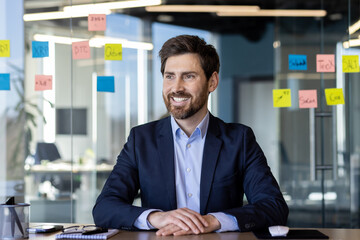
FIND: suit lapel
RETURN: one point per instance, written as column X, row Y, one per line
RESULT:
column 210, row 156
column 165, row 146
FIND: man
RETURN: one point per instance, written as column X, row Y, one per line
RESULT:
column 192, row 168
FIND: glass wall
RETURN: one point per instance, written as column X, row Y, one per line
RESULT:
column 14, row 123
column 73, row 132
column 319, row 167
column 59, row 141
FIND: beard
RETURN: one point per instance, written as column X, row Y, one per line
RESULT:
column 191, row 108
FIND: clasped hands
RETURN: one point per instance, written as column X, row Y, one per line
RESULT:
column 182, row 221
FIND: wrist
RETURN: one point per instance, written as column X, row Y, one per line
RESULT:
column 214, row 223
column 152, row 218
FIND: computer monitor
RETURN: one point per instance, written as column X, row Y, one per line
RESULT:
column 63, row 120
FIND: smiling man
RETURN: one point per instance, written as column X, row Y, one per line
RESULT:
column 192, row 168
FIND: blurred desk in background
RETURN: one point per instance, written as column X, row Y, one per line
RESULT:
column 59, row 166
column 59, row 191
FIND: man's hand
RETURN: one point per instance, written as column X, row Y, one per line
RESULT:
column 172, row 229
column 180, row 219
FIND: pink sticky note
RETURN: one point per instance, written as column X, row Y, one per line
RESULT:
column 97, row 22
column 81, row 50
column 43, row 82
column 308, row 99
column 325, row 63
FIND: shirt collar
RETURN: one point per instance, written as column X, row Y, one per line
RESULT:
column 202, row 127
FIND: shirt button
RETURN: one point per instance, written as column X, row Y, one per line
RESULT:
column 188, row 146
column 189, row 194
column 188, row 170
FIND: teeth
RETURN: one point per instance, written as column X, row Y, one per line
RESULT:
column 177, row 99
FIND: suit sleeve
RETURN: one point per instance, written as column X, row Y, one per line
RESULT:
column 266, row 205
column 113, row 207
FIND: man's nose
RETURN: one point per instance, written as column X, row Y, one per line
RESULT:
column 178, row 85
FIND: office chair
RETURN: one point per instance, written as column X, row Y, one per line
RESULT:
column 46, row 151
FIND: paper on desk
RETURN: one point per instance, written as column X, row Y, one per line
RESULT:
column 105, row 235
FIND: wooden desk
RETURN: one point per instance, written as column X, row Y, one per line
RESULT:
column 334, row 234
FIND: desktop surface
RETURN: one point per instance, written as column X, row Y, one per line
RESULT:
column 334, row 234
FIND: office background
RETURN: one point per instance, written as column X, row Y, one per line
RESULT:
column 58, row 146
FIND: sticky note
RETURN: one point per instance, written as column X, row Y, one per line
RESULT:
column 4, row 48
column 297, row 62
column 43, row 82
column 40, row 49
column 282, row 97
column 334, row 96
column 325, row 63
column 5, row 81
column 350, row 63
column 105, row 84
column 113, row 52
column 81, row 50
column 97, row 22
column 308, row 99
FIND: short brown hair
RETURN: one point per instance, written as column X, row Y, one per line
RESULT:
column 182, row 44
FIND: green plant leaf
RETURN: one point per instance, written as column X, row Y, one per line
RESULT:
column 31, row 118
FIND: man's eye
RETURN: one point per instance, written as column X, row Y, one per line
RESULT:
column 189, row 76
column 168, row 77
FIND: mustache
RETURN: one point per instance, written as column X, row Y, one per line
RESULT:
column 179, row 95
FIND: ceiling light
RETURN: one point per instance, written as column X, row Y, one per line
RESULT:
column 112, row 5
column 274, row 13
column 84, row 10
column 353, row 28
column 201, row 8
column 58, row 15
column 351, row 43
column 100, row 41
column 43, row 4
column 96, row 41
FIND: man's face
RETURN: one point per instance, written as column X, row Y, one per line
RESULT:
column 185, row 87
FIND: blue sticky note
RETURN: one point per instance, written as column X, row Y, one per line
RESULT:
column 5, row 81
column 40, row 49
column 105, row 84
column 297, row 62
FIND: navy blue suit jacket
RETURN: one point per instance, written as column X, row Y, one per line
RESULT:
column 233, row 164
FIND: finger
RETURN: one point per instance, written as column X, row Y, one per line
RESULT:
column 186, row 223
column 190, row 222
column 182, row 232
column 199, row 216
column 194, row 220
column 181, row 222
column 168, row 230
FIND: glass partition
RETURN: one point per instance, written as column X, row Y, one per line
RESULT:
column 80, row 130
column 15, row 123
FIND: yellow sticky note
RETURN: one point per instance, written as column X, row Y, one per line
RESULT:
column 4, row 48
column 113, row 52
column 350, row 63
column 282, row 97
column 334, row 96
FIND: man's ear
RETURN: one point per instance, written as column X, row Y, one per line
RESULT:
column 213, row 82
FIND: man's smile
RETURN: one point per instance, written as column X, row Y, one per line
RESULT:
column 179, row 101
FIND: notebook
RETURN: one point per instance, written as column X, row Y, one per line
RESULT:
column 105, row 235
column 293, row 234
